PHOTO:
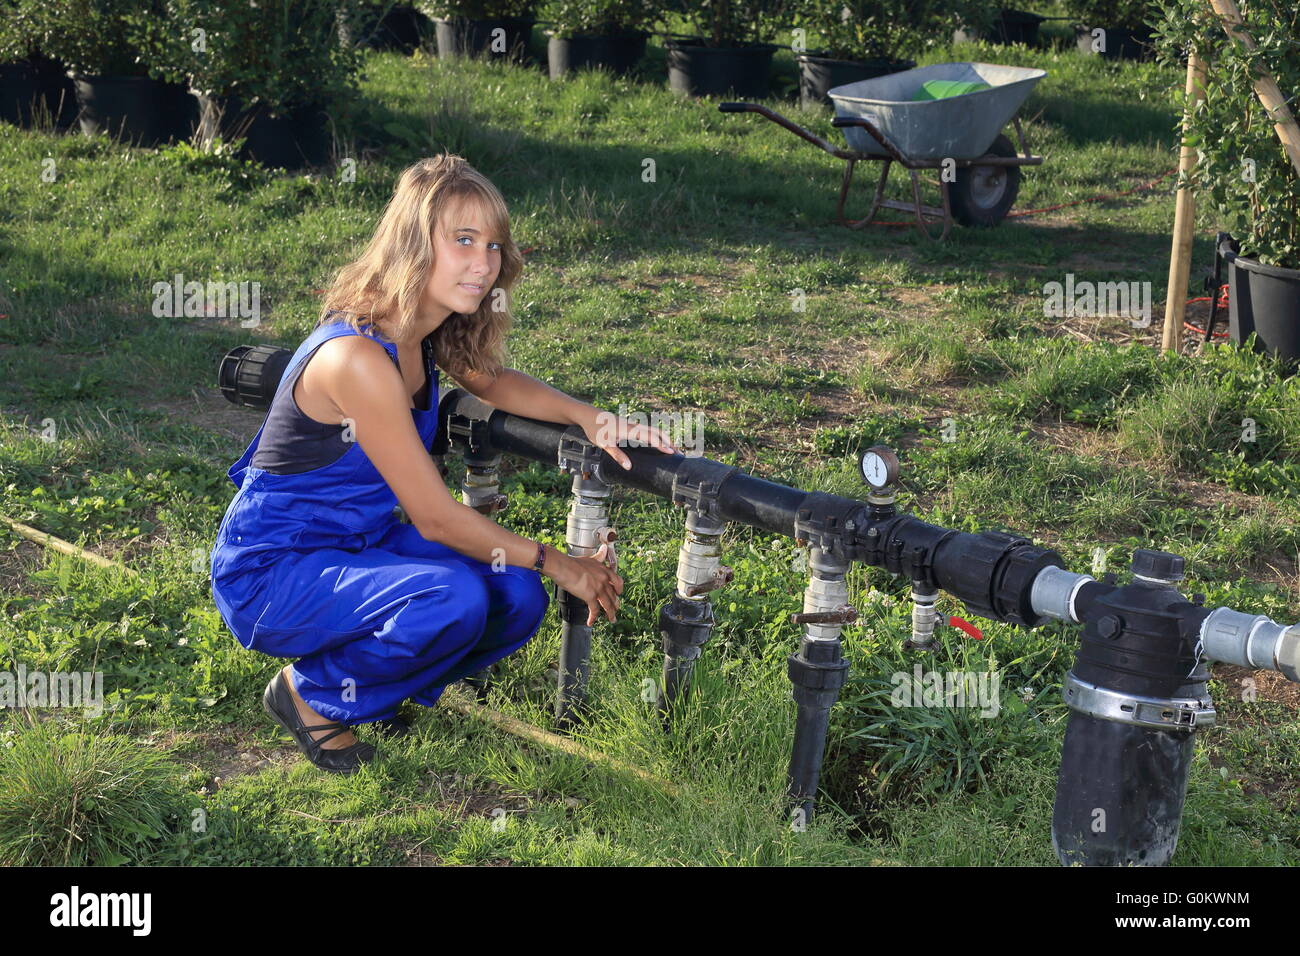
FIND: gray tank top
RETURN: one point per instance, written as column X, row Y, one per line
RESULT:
column 293, row 443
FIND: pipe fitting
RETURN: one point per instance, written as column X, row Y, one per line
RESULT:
column 1054, row 591
column 699, row 569
column 480, row 489
column 588, row 515
column 924, row 619
column 826, row 591
column 1253, row 641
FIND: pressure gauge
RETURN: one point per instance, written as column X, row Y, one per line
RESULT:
column 879, row 467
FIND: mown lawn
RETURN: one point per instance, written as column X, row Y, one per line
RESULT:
column 677, row 295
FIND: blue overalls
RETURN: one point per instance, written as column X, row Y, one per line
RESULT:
column 317, row 566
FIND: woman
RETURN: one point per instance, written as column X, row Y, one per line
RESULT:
column 310, row 561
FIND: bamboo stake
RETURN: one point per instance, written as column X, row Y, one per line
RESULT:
column 519, row 728
column 1266, row 87
column 1180, row 256
column 66, row 547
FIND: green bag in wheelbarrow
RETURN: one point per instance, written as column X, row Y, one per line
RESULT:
column 953, row 126
column 942, row 89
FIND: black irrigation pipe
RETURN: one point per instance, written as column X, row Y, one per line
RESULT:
column 1137, row 692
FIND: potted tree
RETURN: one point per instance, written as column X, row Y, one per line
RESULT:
column 100, row 42
column 1243, row 172
column 385, row 25
column 728, row 51
column 984, row 20
column 19, row 84
column 1116, row 29
column 595, row 33
column 275, row 75
column 859, row 40
column 482, row 27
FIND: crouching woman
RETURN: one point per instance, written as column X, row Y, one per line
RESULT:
column 310, row 561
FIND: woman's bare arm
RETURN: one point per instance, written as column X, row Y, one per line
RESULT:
column 361, row 381
column 358, row 379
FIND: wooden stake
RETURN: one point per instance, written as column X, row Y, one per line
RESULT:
column 66, row 547
column 1266, row 87
column 519, row 728
column 1180, row 256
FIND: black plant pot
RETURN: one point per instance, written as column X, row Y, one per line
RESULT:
column 178, row 115
column 35, row 88
column 1011, row 26
column 818, row 74
column 144, row 111
column 402, row 28
column 698, row 70
column 461, row 36
column 18, row 92
column 1264, row 300
column 300, row 137
column 1017, row 26
column 59, row 91
column 618, row 54
column 1121, row 42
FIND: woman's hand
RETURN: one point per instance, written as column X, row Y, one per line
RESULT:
column 588, row 578
column 605, row 430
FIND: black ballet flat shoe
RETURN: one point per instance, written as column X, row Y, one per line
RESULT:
column 479, row 684
column 277, row 701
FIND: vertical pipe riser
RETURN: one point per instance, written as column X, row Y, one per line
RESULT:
column 588, row 512
column 817, row 671
column 686, row 621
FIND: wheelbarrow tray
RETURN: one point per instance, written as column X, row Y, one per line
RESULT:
column 959, row 127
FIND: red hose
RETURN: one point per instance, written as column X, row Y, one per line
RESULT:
column 1098, row 198
column 1223, row 304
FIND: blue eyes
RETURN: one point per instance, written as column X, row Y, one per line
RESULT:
column 471, row 239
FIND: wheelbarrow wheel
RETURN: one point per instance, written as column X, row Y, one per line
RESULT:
column 983, row 195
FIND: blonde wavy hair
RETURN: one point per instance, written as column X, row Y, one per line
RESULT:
column 384, row 285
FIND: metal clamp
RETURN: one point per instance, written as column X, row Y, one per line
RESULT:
column 469, row 433
column 696, row 484
column 577, row 454
column 825, row 521
column 1168, row 713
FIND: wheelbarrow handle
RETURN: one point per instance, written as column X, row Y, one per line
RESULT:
column 784, row 123
column 839, row 122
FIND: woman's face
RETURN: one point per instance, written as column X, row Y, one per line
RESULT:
column 466, row 261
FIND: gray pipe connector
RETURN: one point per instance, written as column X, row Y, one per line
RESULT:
column 1053, row 593
column 1252, row 641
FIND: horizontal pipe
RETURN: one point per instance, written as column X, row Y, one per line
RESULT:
column 742, row 498
column 997, row 575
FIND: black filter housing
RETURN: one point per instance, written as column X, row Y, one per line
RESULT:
column 1119, row 795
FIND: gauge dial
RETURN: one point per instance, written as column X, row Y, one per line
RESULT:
column 879, row 467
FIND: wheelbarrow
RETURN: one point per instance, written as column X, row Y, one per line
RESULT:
column 958, row 135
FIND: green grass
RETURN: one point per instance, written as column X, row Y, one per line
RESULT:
column 677, row 295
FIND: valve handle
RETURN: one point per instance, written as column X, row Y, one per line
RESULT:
column 491, row 506
column 607, row 536
column 722, row 576
column 964, row 625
